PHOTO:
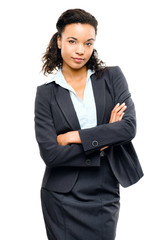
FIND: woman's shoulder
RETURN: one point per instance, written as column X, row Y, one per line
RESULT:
column 108, row 71
column 45, row 90
column 114, row 78
column 111, row 70
column 45, row 87
column 112, row 73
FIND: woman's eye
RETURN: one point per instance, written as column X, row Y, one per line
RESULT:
column 71, row 41
column 89, row 44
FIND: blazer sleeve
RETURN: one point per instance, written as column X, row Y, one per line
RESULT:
column 53, row 154
column 118, row 132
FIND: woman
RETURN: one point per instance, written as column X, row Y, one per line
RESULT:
column 84, row 122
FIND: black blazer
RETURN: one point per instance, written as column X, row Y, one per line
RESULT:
column 55, row 114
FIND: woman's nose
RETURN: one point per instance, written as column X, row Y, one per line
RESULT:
column 80, row 49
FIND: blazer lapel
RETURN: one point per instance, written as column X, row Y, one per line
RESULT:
column 65, row 103
column 99, row 95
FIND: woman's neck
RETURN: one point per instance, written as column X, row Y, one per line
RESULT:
column 74, row 74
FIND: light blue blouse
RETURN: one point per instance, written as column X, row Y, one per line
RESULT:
column 86, row 109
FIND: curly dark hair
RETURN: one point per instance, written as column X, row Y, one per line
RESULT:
column 52, row 59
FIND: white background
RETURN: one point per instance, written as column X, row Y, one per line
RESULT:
column 128, row 36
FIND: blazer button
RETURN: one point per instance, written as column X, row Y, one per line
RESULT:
column 88, row 162
column 94, row 143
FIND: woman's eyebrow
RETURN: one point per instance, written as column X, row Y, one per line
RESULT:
column 90, row 39
column 72, row 38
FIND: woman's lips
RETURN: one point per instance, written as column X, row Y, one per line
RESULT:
column 78, row 60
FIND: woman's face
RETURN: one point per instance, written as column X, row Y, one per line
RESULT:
column 76, row 44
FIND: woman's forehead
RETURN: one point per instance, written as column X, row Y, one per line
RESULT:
column 79, row 30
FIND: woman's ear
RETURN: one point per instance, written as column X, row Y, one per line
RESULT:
column 59, row 42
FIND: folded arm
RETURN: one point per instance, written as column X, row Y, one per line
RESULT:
column 118, row 132
column 74, row 137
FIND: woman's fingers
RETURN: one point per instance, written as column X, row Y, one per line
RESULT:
column 120, row 113
column 119, row 108
column 117, row 112
column 120, row 118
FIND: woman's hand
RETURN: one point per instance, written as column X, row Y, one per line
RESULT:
column 116, row 115
column 62, row 139
column 69, row 137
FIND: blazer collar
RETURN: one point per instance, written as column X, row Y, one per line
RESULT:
column 65, row 103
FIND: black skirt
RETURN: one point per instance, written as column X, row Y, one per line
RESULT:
column 89, row 211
